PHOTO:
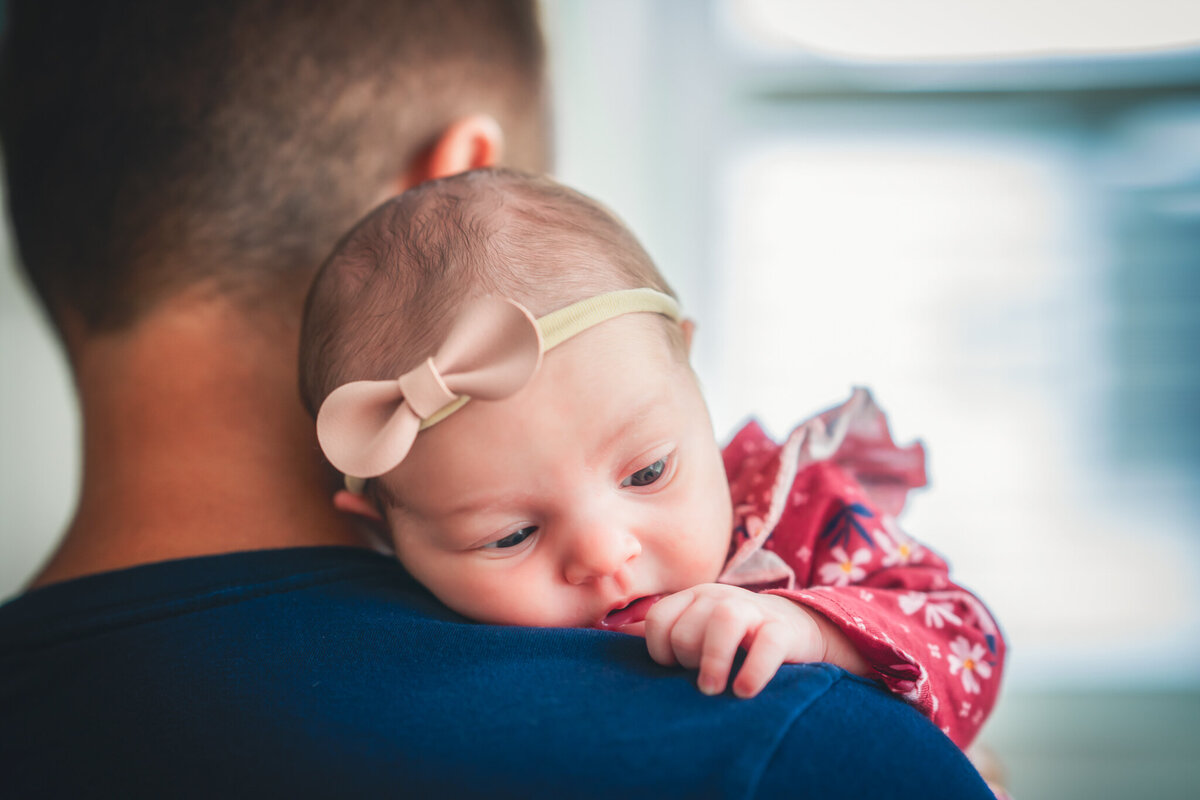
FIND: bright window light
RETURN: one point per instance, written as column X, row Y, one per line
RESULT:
column 950, row 277
column 953, row 29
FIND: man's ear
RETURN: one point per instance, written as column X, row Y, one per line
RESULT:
column 467, row 143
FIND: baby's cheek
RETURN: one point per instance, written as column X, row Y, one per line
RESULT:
column 703, row 520
column 495, row 601
column 716, row 522
column 524, row 599
column 702, row 551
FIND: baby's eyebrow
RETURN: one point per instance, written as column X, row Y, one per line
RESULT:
column 471, row 507
column 420, row 511
column 501, row 500
column 636, row 416
column 433, row 527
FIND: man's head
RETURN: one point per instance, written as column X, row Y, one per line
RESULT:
column 154, row 148
column 597, row 483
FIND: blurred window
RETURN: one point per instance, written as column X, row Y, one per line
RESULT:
column 1009, row 252
column 885, row 29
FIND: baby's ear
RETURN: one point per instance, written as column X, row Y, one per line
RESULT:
column 689, row 328
column 358, row 505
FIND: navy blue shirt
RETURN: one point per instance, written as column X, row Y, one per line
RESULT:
column 328, row 672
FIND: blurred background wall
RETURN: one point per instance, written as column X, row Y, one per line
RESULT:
column 989, row 213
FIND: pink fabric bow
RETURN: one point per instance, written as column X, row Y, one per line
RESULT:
column 493, row 348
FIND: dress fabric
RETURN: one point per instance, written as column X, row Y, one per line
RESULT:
column 815, row 521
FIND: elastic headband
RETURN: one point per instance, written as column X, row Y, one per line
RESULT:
column 493, row 349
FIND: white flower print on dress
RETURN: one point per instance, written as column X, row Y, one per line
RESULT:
column 968, row 659
column 936, row 614
column 911, row 603
column 845, row 568
column 897, row 548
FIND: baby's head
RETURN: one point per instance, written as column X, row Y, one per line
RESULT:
column 595, row 480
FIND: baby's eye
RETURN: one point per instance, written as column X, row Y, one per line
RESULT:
column 646, row 475
column 513, row 539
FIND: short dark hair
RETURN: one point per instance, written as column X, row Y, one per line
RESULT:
column 387, row 295
column 152, row 146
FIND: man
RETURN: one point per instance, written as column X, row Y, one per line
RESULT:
column 208, row 623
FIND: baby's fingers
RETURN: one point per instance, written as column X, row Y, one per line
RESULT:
column 763, row 659
column 660, row 620
column 724, row 634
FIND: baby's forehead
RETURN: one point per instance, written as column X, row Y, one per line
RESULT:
column 593, row 396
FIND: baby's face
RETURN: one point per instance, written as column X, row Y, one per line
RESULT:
column 598, row 483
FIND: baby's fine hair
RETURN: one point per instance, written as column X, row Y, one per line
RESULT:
column 385, row 298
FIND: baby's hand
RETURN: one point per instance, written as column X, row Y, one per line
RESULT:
column 703, row 627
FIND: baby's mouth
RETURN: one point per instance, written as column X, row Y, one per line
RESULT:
column 635, row 611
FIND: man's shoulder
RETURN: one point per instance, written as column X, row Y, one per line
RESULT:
column 71, row 611
column 333, row 673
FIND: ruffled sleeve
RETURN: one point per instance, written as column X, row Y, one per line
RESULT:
column 815, row 522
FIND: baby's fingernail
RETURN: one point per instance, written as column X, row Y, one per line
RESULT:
column 708, row 686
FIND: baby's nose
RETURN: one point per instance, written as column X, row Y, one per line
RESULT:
column 599, row 552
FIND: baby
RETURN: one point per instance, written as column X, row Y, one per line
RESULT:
column 502, row 373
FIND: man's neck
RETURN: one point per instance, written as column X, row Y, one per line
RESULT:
column 195, row 443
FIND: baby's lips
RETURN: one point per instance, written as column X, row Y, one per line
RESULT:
column 634, row 612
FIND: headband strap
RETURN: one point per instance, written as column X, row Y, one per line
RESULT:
column 493, row 349
column 558, row 326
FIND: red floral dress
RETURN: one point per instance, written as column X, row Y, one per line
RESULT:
column 814, row 521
